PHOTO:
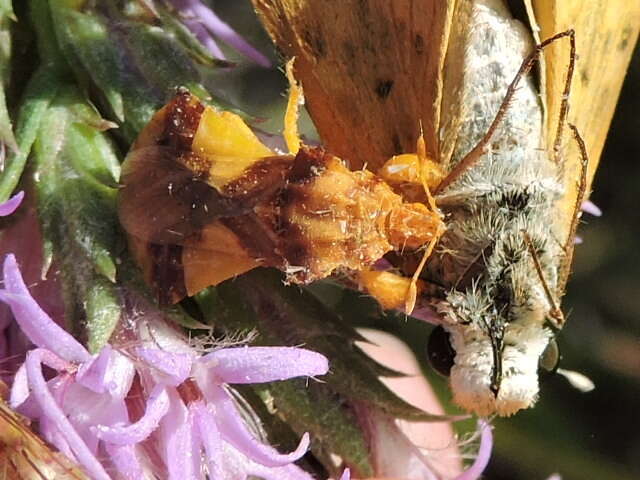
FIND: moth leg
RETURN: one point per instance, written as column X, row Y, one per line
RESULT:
column 582, row 192
column 476, row 152
column 555, row 314
column 296, row 98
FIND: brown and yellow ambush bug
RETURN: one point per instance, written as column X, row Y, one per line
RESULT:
column 203, row 200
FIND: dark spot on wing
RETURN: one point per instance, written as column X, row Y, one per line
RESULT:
column 418, row 44
column 314, row 39
column 383, row 88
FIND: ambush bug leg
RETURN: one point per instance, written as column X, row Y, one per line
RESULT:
column 412, row 291
column 296, row 98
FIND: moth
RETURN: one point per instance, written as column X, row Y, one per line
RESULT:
column 513, row 186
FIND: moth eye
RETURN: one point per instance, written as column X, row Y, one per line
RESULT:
column 550, row 358
column 440, row 352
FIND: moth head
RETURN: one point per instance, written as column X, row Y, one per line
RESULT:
column 493, row 364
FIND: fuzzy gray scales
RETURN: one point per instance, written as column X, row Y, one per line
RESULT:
column 511, row 189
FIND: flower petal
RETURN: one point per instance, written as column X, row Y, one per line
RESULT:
column 180, row 455
column 238, row 467
column 157, row 407
column 224, row 32
column 11, row 205
column 91, row 374
column 175, row 367
column 33, row 321
column 264, row 364
column 126, row 461
column 119, row 375
column 234, row 431
column 206, row 425
column 19, row 388
column 591, row 208
column 346, row 475
column 204, row 37
column 53, row 412
column 484, row 453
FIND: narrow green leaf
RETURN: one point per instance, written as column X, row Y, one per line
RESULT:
column 75, row 171
column 39, row 93
column 6, row 130
column 307, row 406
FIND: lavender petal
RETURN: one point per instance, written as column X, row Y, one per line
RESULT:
column 157, row 407
column 591, row 208
column 239, row 467
column 175, row 367
column 33, row 321
column 11, row 205
column 92, row 374
column 484, row 453
column 223, row 31
column 126, row 461
column 176, row 434
column 204, row 37
column 211, row 440
column 234, row 431
column 53, row 412
column 264, row 364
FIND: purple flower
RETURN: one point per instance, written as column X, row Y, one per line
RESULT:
column 10, row 206
column 484, row 454
column 189, row 414
column 591, row 208
column 205, row 25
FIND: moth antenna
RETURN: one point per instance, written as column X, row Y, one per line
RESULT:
column 296, row 98
column 476, row 152
column 582, row 192
column 556, row 313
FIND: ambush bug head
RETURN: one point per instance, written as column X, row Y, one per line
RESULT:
column 493, row 363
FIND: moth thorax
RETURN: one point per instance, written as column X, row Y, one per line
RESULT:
column 411, row 225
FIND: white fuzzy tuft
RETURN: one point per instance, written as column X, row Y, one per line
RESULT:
column 471, row 374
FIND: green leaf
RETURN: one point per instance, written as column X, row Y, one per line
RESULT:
column 309, row 407
column 39, row 93
column 6, row 16
column 75, row 171
column 135, row 65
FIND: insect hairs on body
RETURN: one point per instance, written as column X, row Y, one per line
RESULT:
column 500, row 222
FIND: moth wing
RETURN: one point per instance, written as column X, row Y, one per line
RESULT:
column 371, row 71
